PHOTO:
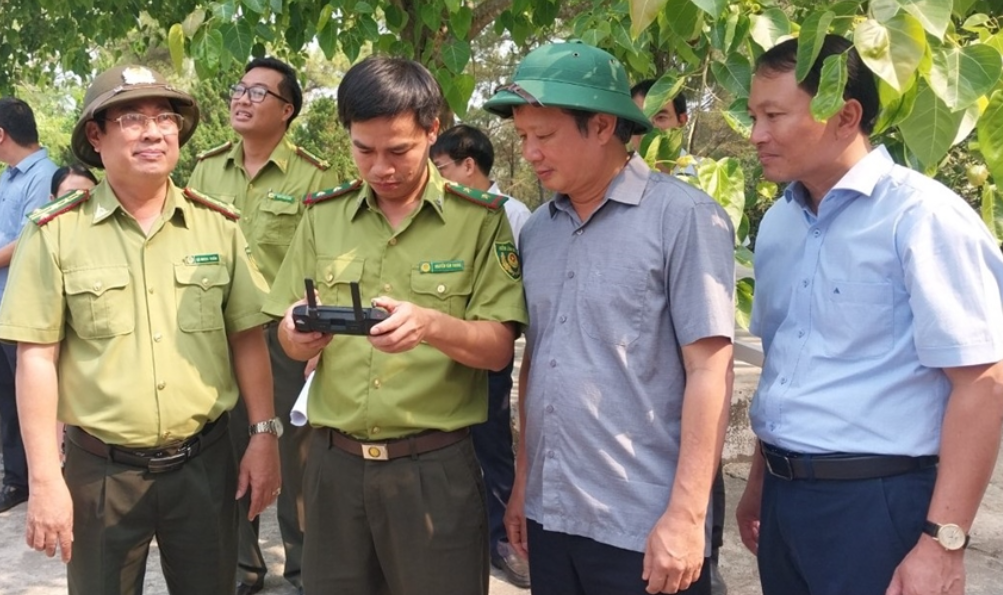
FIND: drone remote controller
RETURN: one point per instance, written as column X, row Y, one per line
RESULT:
column 336, row 319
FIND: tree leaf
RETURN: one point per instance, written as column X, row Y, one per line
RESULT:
column 685, row 20
column 176, row 43
column 665, row 88
column 832, row 83
column 971, row 118
column 712, row 7
column 724, row 181
column 883, row 10
column 990, row 134
column 895, row 106
column 892, row 51
column 327, row 39
column 255, row 6
column 813, row 31
column 430, row 14
column 460, row 90
column 930, row 129
column 960, row 76
column 934, row 15
column 238, row 37
column 224, row 10
column 192, row 22
column 642, row 14
column 395, row 17
column 460, row 21
column 734, row 74
column 769, row 26
column 992, row 211
column 452, row 5
column 455, row 54
column 744, row 290
column 737, row 117
column 324, row 18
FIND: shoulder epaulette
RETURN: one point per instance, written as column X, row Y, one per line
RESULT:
column 215, row 150
column 314, row 160
column 485, row 199
column 321, row 196
column 227, row 210
column 63, row 204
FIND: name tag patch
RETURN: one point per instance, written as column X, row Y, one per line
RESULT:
column 202, row 259
column 281, row 197
column 441, row 266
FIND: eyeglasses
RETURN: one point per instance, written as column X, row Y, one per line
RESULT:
column 444, row 164
column 135, row 123
column 256, row 93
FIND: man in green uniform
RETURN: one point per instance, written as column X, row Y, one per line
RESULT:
column 266, row 177
column 137, row 316
column 394, row 495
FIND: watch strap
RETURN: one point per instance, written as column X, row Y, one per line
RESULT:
column 933, row 530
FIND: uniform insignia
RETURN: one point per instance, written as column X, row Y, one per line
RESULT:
column 229, row 211
column 215, row 151
column 321, row 196
column 272, row 195
column 64, row 203
column 479, row 197
column 441, row 266
column 202, row 259
column 314, row 160
column 508, row 259
column 138, row 75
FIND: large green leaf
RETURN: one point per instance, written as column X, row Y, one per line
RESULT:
column 327, row 39
column 990, row 133
column 642, row 14
column 744, row 290
column 238, row 37
column 882, row 10
column 895, row 106
column 930, row 129
column 992, row 211
column 455, row 55
column 832, row 83
column 460, row 22
column 769, row 26
column 460, row 90
column 810, row 40
column 685, row 20
column 255, row 6
column 725, row 182
column 192, row 22
column 893, row 50
column 176, row 43
column 971, row 118
column 712, row 7
column 665, row 88
column 737, row 117
column 934, row 15
column 734, row 74
column 960, row 76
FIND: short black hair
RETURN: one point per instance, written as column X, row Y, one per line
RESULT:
column 64, row 172
column 644, row 87
column 382, row 87
column 289, row 87
column 462, row 141
column 624, row 129
column 860, row 83
column 18, row 121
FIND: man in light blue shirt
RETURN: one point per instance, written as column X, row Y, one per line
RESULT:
column 24, row 186
column 878, row 299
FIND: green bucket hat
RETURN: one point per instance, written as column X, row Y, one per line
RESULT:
column 571, row 75
column 127, row 83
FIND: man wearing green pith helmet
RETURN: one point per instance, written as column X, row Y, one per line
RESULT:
column 626, row 378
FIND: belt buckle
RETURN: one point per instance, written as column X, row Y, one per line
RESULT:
column 375, row 452
column 789, row 475
column 169, row 462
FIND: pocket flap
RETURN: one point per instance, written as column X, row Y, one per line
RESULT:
column 96, row 281
column 343, row 269
column 442, row 285
column 204, row 275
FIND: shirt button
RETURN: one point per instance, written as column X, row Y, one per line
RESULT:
column 161, row 385
column 205, row 282
column 571, row 274
column 563, row 318
column 97, row 286
column 817, row 233
column 157, row 337
column 579, row 232
column 783, row 380
column 804, row 283
column 441, row 288
column 550, row 408
column 393, row 241
column 150, row 290
column 551, row 454
column 375, row 430
column 553, row 363
column 330, row 277
column 376, row 383
column 167, row 435
column 800, row 334
column 387, row 287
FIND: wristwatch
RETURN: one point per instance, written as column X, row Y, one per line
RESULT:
column 269, row 426
column 950, row 536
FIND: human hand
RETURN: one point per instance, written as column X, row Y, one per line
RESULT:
column 673, row 554
column 929, row 569
column 403, row 330
column 259, row 473
column 49, row 522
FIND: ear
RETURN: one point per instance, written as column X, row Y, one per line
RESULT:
column 683, row 118
column 603, row 126
column 848, row 119
column 433, row 132
column 469, row 167
column 93, row 134
column 287, row 112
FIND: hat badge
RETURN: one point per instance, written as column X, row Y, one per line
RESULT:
column 138, row 75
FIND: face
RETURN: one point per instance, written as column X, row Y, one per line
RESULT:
column 266, row 118
column 454, row 171
column 73, row 182
column 392, row 155
column 665, row 118
column 561, row 156
column 147, row 151
column 791, row 144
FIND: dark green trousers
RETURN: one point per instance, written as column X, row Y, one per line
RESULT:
column 287, row 380
column 118, row 510
column 410, row 526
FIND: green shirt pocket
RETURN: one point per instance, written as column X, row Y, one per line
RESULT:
column 99, row 301
column 277, row 220
column 334, row 275
column 200, row 290
column 446, row 292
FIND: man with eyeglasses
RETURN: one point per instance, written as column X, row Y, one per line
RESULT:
column 463, row 154
column 137, row 315
column 267, row 177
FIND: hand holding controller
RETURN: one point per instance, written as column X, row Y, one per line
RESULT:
column 336, row 319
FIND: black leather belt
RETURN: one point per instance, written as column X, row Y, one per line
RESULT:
column 792, row 465
column 160, row 459
column 415, row 444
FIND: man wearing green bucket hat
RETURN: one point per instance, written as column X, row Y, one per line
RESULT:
column 137, row 315
column 626, row 377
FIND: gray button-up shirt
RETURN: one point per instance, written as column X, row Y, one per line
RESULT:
column 611, row 300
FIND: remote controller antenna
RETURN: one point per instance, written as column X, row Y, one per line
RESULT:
column 357, row 302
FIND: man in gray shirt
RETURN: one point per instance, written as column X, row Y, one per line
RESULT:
column 626, row 378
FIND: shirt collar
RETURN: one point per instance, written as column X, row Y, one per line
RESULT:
column 433, row 194
column 627, row 187
column 281, row 155
column 860, row 179
column 25, row 164
column 106, row 203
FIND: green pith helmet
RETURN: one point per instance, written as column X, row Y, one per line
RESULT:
column 127, row 83
column 572, row 75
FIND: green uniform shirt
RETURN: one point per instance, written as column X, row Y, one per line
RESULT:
column 142, row 320
column 449, row 255
column 271, row 204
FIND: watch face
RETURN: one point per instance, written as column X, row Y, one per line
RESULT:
column 952, row 537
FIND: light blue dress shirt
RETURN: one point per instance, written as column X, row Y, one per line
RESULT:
column 23, row 188
column 861, row 306
column 611, row 300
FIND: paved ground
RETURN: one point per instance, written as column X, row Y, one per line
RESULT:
column 25, row 572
